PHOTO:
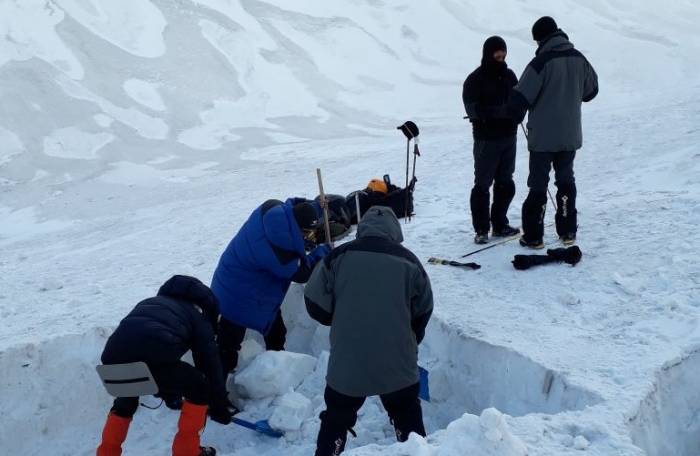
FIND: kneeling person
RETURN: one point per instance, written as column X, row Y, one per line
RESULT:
column 159, row 331
column 376, row 297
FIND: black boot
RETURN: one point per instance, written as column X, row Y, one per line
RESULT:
column 409, row 420
column 332, row 435
column 479, row 203
column 533, row 218
column 503, row 193
column 566, row 218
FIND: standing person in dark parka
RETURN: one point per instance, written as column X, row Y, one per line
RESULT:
column 485, row 96
column 552, row 88
column 256, row 270
column 376, row 297
column 159, row 331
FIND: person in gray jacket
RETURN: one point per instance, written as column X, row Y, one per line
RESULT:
column 376, row 297
column 552, row 88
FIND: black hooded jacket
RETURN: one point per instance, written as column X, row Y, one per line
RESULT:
column 162, row 329
column 485, row 95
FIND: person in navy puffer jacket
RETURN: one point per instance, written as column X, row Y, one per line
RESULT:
column 256, row 270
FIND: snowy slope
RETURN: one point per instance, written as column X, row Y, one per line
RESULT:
column 136, row 136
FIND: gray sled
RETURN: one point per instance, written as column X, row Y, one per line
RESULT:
column 127, row 380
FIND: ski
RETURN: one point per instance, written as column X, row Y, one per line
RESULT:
column 433, row 260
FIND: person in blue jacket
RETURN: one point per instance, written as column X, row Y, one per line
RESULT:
column 256, row 270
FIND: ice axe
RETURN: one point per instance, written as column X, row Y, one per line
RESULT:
column 410, row 131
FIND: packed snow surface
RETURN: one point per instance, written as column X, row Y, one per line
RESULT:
column 137, row 136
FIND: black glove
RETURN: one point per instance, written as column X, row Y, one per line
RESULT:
column 223, row 411
column 571, row 256
column 522, row 262
column 220, row 414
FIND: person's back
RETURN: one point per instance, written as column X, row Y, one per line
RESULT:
column 376, row 297
column 552, row 88
column 555, row 83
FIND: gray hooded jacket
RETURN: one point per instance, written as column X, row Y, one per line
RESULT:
column 376, row 297
column 552, row 87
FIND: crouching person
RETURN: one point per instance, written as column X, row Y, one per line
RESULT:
column 159, row 331
column 376, row 297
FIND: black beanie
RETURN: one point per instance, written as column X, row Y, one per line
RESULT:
column 491, row 45
column 543, row 27
column 305, row 215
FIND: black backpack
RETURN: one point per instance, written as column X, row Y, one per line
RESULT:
column 400, row 200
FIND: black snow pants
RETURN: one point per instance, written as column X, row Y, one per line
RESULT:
column 178, row 379
column 494, row 163
column 536, row 202
column 231, row 337
column 402, row 406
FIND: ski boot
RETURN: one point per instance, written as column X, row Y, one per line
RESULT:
column 506, row 231
column 568, row 239
column 481, row 238
column 207, row 451
column 536, row 244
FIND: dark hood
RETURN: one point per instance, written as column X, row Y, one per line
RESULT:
column 192, row 290
column 491, row 45
column 380, row 221
column 557, row 41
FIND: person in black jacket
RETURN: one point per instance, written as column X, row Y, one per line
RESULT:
column 485, row 96
column 159, row 331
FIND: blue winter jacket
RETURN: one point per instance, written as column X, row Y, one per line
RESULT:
column 257, row 267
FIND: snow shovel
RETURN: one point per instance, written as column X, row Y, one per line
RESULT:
column 262, row 426
column 424, row 391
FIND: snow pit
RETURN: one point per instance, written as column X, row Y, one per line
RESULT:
column 472, row 375
column 668, row 420
column 51, row 395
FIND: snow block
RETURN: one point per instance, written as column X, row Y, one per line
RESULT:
column 290, row 411
column 273, row 373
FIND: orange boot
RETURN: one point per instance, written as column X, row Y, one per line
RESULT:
column 113, row 435
column 189, row 428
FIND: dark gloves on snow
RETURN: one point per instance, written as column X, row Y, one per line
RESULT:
column 571, row 255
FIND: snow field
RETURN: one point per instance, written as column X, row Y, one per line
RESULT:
column 598, row 360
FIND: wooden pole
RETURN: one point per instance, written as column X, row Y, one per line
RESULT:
column 324, row 204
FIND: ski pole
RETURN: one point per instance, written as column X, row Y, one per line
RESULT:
column 416, row 154
column 357, row 206
column 551, row 198
column 408, row 154
column 326, row 223
column 410, row 130
column 490, row 246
